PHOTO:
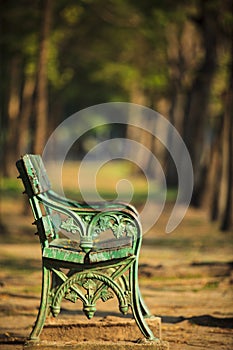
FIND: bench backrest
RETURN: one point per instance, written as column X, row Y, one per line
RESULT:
column 33, row 174
column 55, row 217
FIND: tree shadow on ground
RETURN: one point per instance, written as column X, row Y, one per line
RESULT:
column 20, row 265
column 202, row 320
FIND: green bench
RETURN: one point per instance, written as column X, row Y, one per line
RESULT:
column 89, row 252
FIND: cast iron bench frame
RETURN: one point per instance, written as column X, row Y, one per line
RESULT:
column 97, row 269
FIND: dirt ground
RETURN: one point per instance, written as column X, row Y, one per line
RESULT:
column 186, row 278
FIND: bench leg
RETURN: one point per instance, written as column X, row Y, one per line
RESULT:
column 43, row 310
column 145, row 311
column 138, row 306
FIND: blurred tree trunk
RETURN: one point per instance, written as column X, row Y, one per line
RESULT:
column 210, row 194
column 217, row 195
column 137, row 96
column 13, row 111
column 26, row 113
column 226, row 188
column 24, row 126
column 196, row 113
column 41, row 102
column 182, row 60
column 214, row 189
column 4, row 87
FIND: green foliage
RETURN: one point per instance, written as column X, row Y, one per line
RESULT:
column 99, row 50
column 10, row 187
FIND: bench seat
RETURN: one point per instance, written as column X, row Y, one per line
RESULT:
column 70, row 251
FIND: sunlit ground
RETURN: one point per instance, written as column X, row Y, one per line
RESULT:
column 185, row 276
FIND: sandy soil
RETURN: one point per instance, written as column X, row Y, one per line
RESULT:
column 186, row 278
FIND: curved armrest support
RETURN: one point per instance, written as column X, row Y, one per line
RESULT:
column 90, row 205
column 90, row 222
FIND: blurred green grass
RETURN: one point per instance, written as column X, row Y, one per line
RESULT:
column 104, row 182
column 10, row 187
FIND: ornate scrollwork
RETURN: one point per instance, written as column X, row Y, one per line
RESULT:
column 119, row 225
column 71, row 295
column 106, row 295
column 91, row 282
column 69, row 225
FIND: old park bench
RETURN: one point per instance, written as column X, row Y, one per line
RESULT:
column 89, row 252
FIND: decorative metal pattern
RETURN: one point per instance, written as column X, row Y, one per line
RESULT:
column 92, row 272
column 69, row 226
column 87, row 281
column 119, row 223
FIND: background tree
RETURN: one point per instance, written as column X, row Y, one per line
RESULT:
column 175, row 57
column 41, row 101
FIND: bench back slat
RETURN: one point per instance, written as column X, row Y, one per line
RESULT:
column 33, row 173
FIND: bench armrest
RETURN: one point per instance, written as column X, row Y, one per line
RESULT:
column 94, row 205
